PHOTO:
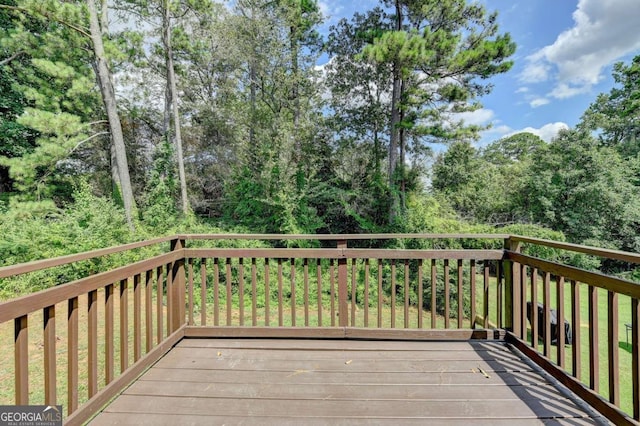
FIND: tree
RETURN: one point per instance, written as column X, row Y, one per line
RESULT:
column 61, row 110
column 439, row 52
column 586, row 191
column 616, row 115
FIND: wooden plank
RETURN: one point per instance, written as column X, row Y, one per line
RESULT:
column 575, row 319
column 280, row 296
column 472, row 273
column 254, row 293
column 203, row 291
column 303, row 343
column 534, row 308
column 315, row 408
column 37, row 301
column 220, row 353
column 590, row 396
column 319, row 290
column 393, row 293
column 49, row 337
column 109, row 361
column 560, row 309
column 485, row 295
column 606, row 253
column 343, row 313
column 159, row 303
column 241, row 291
column 228, row 285
column 88, row 410
column 613, row 350
column 335, row 391
column 546, row 290
column 23, row 268
column 332, row 295
column 190, row 290
column 379, row 293
column 336, row 237
column 267, row 293
column 195, row 420
column 124, row 326
column 292, row 286
column 296, row 366
column 137, row 318
column 406, row 290
column 635, row 356
column 353, row 292
column 305, row 281
column 92, row 343
column 460, row 295
column 312, row 378
column 21, row 360
column 72, row 355
column 148, row 310
column 594, row 347
column 344, row 253
column 447, row 296
column 367, row 267
column 596, row 279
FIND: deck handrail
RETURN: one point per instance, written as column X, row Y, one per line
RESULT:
column 324, row 287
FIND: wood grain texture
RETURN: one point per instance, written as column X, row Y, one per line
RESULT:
column 208, row 381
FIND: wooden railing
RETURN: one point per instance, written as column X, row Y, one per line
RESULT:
column 115, row 323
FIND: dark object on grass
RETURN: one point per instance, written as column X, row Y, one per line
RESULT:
column 553, row 319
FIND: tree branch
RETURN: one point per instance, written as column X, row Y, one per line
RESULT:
column 87, row 140
column 82, row 31
column 11, row 58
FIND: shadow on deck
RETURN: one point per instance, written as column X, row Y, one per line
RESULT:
column 287, row 381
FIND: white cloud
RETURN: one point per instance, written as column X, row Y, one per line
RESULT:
column 522, row 90
column 538, row 102
column 603, row 32
column 546, row 132
column 479, row 117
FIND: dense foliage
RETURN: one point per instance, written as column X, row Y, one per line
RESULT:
column 271, row 142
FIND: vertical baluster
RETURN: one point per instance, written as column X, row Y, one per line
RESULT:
column 229, row 297
column 92, row 342
column 523, row 303
column 332, row 292
column 148, row 310
column 460, row 294
column 305, row 267
column 124, row 325
column 635, row 356
column 109, row 363
column 241, row 290
column 614, row 356
column 393, row 293
column 49, row 315
column 216, row 292
column 293, row 291
column 366, row 292
column 447, row 296
column 21, row 355
column 575, row 319
column 546, row 290
column 499, row 295
column 72, row 355
column 254, row 292
column 169, row 287
column 434, row 300
column 137, row 319
column 203, row 292
column 594, row 359
column 267, row 293
column 472, row 273
column 534, row 308
column 159, row 303
column 420, row 294
column 406, row 293
column 560, row 328
column 319, row 290
column 280, row 308
column 379, row 293
column 485, row 302
column 353, row 292
column 190, row 290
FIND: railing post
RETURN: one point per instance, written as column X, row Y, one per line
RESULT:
column 512, row 299
column 343, row 306
column 177, row 287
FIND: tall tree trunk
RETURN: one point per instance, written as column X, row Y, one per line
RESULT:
column 297, row 147
column 109, row 99
column 171, row 85
column 394, row 140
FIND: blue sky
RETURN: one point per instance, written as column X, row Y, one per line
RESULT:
column 566, row 50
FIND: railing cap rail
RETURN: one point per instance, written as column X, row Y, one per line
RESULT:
column 595, row 251
column 338, row 237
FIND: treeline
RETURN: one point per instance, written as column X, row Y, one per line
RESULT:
column 161, row 111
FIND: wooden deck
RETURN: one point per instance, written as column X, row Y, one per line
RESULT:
column 253, row 381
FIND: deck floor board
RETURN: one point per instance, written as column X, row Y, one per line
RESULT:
column 257, row 381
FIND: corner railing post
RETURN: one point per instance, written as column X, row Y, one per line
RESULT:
column 177, row 287
column 512, row 297
column 343, row 306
